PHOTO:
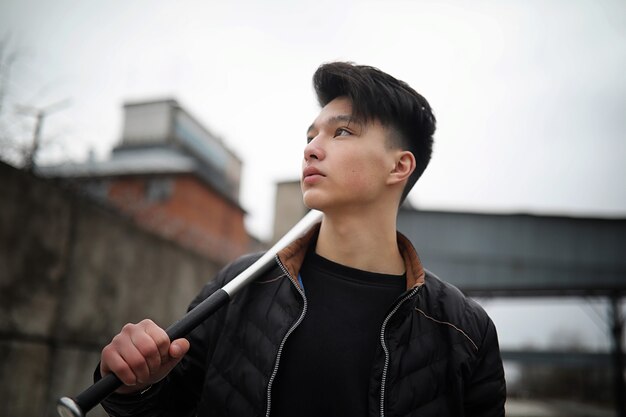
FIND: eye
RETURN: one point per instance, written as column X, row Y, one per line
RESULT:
column 342, row 132
column 309, row 139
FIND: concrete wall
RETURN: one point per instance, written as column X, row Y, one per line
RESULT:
column 71, row 274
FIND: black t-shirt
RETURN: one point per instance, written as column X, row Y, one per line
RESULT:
column 325, row 366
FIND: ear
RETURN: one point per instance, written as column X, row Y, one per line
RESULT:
column 403, row 168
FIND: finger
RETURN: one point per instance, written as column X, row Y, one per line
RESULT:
column 112, row 362
column 178, row 349
column 160, row 338
column 148, row 349
column 176, row 352
column 136, row 361
column 123, row 344
column 152, row 342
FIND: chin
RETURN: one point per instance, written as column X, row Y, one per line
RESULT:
column 312, row 201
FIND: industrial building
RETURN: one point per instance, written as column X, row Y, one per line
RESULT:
column 173, row 177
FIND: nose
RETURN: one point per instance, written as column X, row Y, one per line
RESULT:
column 314, row 149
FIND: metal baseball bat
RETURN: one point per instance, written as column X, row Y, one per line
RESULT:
column 94, row 395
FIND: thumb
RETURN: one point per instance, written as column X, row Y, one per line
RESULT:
column 178, row 348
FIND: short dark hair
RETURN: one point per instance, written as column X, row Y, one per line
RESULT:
column 376, row 95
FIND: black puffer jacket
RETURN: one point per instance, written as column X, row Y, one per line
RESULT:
column 438, row 353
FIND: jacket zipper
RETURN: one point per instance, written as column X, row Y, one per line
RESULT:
column 386, row 350
column 282, row 344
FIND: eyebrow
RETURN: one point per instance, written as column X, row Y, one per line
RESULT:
column 341, row 118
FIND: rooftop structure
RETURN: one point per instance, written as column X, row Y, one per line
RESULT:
column 173, row 176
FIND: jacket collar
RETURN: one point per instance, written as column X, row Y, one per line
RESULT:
column 293, row 255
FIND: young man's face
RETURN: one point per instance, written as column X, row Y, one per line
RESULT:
column 346, row 164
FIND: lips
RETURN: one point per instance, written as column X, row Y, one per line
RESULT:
column 311, row 175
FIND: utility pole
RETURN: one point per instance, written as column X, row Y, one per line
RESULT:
column 617, row 328
column 40, row 114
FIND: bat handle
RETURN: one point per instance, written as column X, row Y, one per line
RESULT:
column 95, row 394
column 89, row 398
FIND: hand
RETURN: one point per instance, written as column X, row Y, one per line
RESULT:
column 141, row 355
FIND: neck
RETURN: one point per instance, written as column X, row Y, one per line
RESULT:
column 365, row 241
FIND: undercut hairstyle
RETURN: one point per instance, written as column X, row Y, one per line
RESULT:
column 377, row 96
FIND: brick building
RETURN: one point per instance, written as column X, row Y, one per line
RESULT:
column 173, row 177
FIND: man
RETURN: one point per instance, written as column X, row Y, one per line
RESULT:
column 348, row 322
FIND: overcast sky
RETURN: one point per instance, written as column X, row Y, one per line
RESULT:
column 530, row 96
